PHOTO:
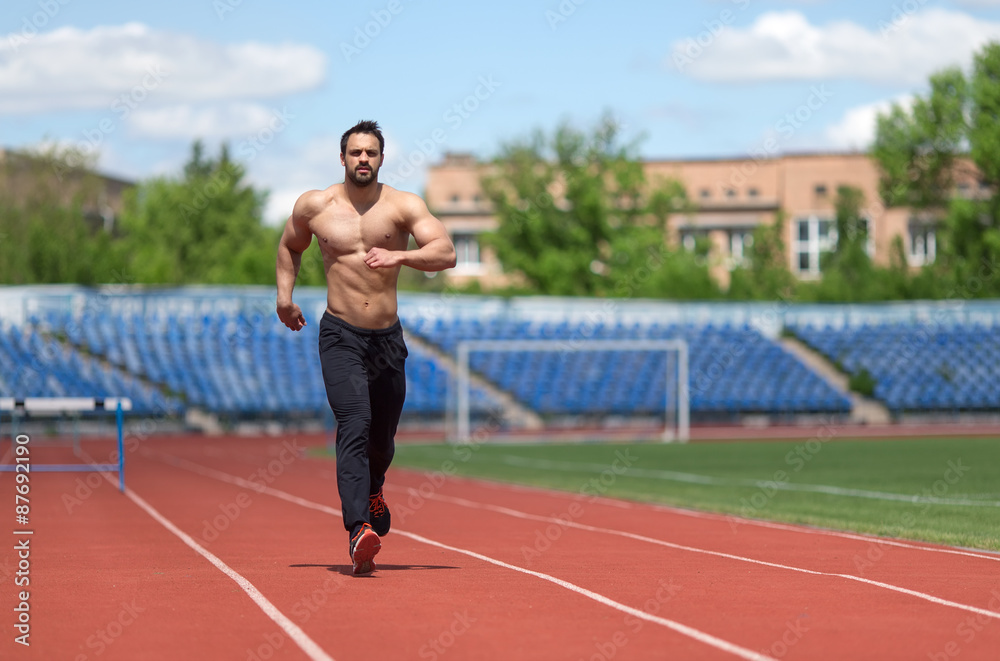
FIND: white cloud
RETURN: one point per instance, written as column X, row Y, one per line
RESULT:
column 213, row 122
column 856, row 129
column 902, row 49
column 121, row 67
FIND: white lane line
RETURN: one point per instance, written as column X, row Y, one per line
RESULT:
column 681, row 547
column 701, row 636
column 731, row 519
column 296, row 634
column 878, row 541
column 691, row 632
column 233, row 479
column 694, row 478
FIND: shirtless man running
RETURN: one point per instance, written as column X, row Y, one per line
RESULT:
column 363, row 229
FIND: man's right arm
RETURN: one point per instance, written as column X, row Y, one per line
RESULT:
column 295, row 238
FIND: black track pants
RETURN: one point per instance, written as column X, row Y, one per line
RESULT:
column 365, row 384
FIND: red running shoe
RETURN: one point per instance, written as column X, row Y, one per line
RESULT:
column 364, row 546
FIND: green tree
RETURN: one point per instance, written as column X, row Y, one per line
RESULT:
column 848, row 272
column 917, row 148
column 49, row 229
column 766, row 275
column 577, row 216
column 202, row 227
column 920, row 152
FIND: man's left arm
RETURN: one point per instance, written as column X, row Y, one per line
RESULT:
column 434, row 251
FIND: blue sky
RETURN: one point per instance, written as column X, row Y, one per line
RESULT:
column 135, row 83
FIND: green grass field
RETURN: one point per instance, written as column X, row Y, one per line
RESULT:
column 936, row 490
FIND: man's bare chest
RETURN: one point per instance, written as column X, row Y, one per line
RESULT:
column 343, row 232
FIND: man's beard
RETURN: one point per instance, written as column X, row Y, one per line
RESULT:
column 362, row 179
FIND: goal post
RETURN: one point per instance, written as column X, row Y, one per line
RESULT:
column 677, row 401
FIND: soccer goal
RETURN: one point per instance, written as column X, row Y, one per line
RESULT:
column 553, row 384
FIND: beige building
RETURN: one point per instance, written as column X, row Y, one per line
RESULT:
column 730, row 197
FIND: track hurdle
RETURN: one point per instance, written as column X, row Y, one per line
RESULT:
column 56, row 405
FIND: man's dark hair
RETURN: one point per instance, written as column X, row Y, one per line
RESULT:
column 364, row 126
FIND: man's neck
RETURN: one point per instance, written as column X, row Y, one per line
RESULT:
column 362, row 196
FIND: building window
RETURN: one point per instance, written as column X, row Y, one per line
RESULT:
column 705, row 193
column 923, row 243
column 815, row 236
column 455, row 198
column 753, row 192
column 466, row 252
column 740, row 242
column 730, row 193
column 820, row 190
column 690, row 239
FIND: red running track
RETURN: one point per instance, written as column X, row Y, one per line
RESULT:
column 234, row 549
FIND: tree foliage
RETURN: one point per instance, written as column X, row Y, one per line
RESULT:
column 765, row 276
column 201, row 227
column 957, row 124
column 849, row 274
column 46, row 233
column 577, row 216
column 917, row 149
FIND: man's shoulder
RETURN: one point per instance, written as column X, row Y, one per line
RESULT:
column 312, row 202
column 401, row 199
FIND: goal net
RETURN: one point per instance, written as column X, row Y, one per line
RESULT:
column 558, row 387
